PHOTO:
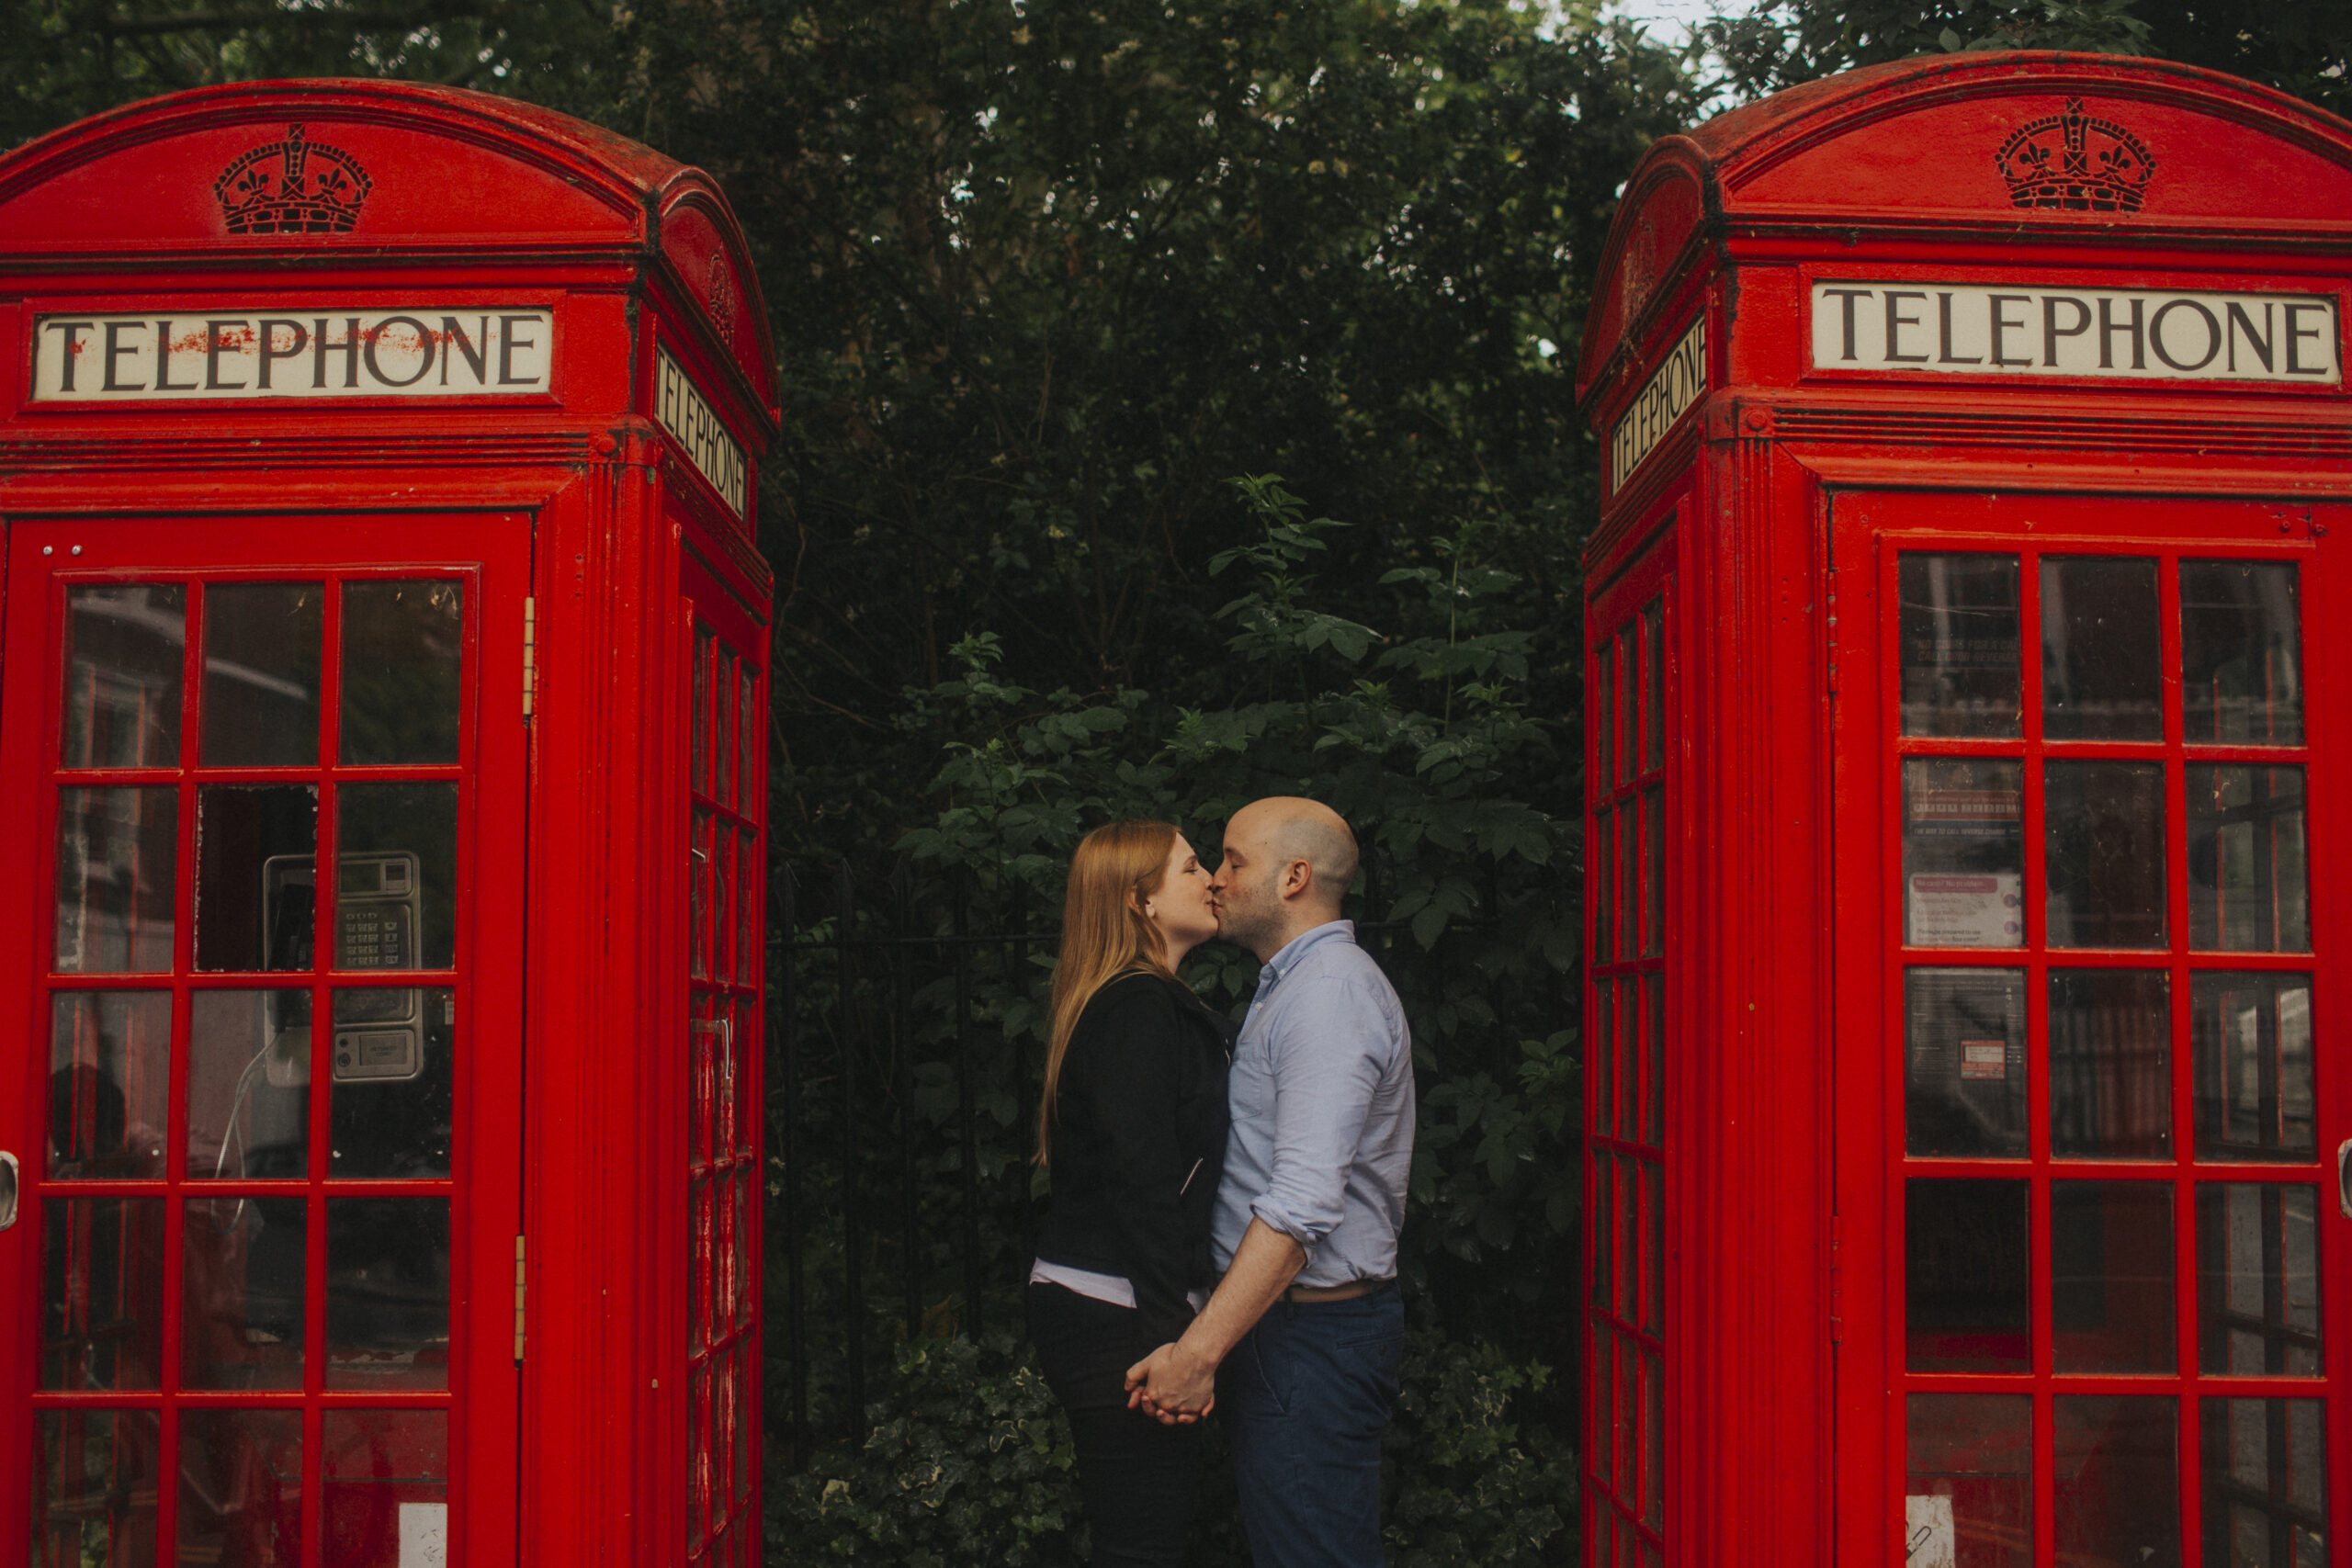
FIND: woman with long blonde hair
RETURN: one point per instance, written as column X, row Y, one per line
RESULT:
column 1131, row 1128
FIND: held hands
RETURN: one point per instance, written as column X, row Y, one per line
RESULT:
column 1173, row 1384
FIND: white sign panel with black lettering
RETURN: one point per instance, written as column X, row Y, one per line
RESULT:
column 2024, row 329
column 1664, row 399
column 685, row 413
column 277, row 350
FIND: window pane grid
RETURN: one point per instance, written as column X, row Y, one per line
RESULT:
column 245, row 1325
column 2128, row 1239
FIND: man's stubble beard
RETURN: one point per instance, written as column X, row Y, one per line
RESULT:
column 1245, row 922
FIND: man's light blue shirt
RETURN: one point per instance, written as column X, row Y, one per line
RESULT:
column 1322, row 1098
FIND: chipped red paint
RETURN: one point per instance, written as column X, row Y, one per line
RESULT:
column 1751, row 1358
column 608, row 590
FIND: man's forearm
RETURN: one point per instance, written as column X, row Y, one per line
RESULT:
column 1263, row 1266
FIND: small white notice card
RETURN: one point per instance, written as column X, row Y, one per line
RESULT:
column 424, row 1535
column 1967, row 909
column 1927, row 1540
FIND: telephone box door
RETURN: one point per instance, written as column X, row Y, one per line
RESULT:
column 261, row 953
column 2097, row 1077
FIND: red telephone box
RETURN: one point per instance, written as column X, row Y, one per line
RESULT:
column 376, row 473
column 1971, row 829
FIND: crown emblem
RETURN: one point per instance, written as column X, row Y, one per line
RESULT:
column 294, row 187
column 2075, row 162
column 723, row 298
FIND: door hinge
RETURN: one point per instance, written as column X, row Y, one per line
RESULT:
column 518, row 1301
column 530, row 653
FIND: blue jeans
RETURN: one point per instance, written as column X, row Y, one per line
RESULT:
column 1305, row 1396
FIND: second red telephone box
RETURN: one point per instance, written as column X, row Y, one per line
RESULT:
column 1970, row 832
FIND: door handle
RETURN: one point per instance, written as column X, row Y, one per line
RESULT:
column 2343, row 1176
column 8, row 1189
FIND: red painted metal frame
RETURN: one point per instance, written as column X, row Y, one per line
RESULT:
column 1783, row 1416
column 475, row 201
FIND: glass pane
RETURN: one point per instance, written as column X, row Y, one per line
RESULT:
column 1622, row 707
column 387, row 1488
column 1653, row 1442
column 1628, row 1219
column 1628, row 1042
column 1654, row 685
column 102, row 1292
column 2250, row 1049
column 261, row 673
column 700, row 743
column 118, row 880
column 2100, row 649
column 240, row 1276
column 722, row 903
column 1628, row 1396
column 1959, row 644
column 2118, row 1493
column 1603, row 1231
column 1965, row 1265
column 700, row 1263
column 698, row 1460
column 2247, row 887
column 94, row 1488
column 1964, row 852
column 722, row 761
column 109, row 1082
column 1653, row 873
column 255, row 850
column 1653, row 1247
column 1968, row 1485
column 1605, row 718
column 1654, row 1033
column 2105, row 831
column 241, row 1488
column 753, row 879
column 2111, row 1277
column 1963, row 1058
column 2258, row 1280
column 248, row 1085
column 2265, row 1464
column 402, row 642
column 387, row 1293
column 748, row 740
column 1604, row 892
column 126, row 644
column 398, row 881
column 2111, row 1064
column 2240, row 653
column 1604, row 1056
column 390, row 1107
column 724, row 1282
column 1629, row 876
column 699, row 881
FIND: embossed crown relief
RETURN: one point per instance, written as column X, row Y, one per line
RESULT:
column 721, row 298
column 2075, row 162
column 294, row 187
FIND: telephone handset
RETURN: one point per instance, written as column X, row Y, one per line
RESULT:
column 378, row 1033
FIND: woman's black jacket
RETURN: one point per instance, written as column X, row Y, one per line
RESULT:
column 1138, row 1143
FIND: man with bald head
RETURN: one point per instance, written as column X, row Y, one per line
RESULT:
column 1301, row 1343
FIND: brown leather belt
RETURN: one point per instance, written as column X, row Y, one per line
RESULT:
column 1346, row 1293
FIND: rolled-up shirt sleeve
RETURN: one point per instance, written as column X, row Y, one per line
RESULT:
column 1327, row 1064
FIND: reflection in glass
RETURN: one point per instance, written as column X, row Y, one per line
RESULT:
column 1654, row 685
column 2111, row 1277
column 248, row 1085
column 390, row 1108
column 126, row 644
column 2264, row 1465
column 254, row 857
column 240, row 1273
column 118, row 880
column 723, row 754
column 2241, row 658
column 1622, row 707
column 261, row 673
column 402, row 641
column 2117, row 1470
column 399, row 879
column 2257, row 1279
column 102, row 1292
column 1968, row 1487
column 1963, row 855
column 109, row 1082
column 241, row 1488
column 1959, row 630
column 2100, row 656
column 387, row 1487
column 2111, row 1064
column 387, row 1293
column 94, row 1488
column 2250, row 1049
column 2104, row 825
column 2248, row 890
column 1964, row 1062
column 1966, row 1276
column 698, row 745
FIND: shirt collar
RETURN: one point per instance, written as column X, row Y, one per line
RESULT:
column 1282, row 963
